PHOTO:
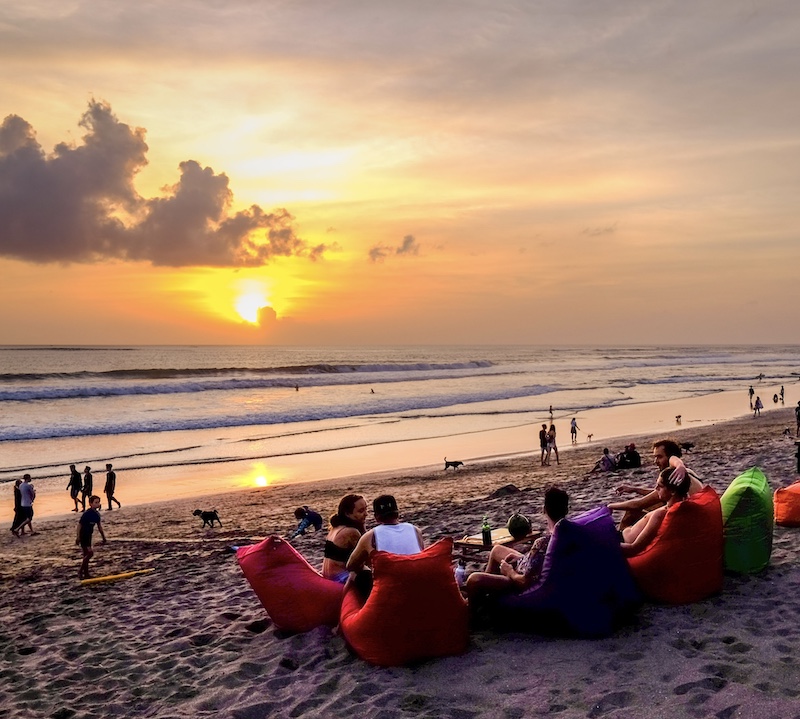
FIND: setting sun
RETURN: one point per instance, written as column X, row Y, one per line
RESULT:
column 249, row 304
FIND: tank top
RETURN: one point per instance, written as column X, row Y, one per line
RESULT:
column 336, row 553
column 396, row 538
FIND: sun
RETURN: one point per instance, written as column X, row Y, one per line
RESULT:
column 249, row 304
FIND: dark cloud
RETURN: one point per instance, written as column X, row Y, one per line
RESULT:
column 409, row 246
column 378, row 253
column 595, row 231
column 80, row 205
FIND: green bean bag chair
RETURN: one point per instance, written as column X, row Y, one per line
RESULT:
column 748, row 519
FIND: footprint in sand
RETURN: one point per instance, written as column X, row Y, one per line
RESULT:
column 727, row 671
column 614, row 700
column 714, row 684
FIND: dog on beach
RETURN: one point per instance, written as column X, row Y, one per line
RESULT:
column 787, row 432
column 677, row 419
column 455, row 464
column 208, row 517
column 687, row 446
column 589, row 437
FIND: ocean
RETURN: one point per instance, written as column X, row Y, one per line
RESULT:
column 167, row 411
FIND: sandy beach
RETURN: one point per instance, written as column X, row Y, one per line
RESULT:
column 192, row 640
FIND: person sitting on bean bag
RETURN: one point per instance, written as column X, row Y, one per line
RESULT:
column 666, row 453
column 391, row 535
column 637, row 538
column 511, row 571
column 347, row 527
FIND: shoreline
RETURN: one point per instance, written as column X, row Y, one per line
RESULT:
column 611, row 425
column 191, row 639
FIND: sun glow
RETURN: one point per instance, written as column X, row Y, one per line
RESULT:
column 259, row 476
column 249, row 304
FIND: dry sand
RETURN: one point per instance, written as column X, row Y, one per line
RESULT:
column 192, row 640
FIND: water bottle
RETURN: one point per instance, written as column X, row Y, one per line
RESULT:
column 461, row 572
column 486, row 533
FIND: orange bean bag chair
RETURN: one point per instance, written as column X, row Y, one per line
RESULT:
column 415, row 610
column 787, row 505
column 683, row 564
column 296, row 596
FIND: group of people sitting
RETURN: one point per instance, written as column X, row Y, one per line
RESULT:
column 348, row 544
column 628, row 458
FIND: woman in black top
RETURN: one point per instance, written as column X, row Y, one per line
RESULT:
column 347, row 526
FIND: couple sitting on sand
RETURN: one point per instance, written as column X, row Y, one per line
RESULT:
column 348, row 545
column 509, row 570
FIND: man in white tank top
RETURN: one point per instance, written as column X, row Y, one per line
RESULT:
column 390, row 535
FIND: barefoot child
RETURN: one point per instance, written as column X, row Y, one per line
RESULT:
column 84, row 538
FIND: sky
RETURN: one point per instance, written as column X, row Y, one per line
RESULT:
column 418, row 172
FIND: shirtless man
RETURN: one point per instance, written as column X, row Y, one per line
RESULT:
column 666, row 453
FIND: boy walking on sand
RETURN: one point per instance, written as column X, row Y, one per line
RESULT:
column 86, row 524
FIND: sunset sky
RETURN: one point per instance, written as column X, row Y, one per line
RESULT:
column 313, row 172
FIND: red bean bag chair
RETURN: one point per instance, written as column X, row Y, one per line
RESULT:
column 787, row 505
column 296, row 596
column 683, row 564
column 415, row 610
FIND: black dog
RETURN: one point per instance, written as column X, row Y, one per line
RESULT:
column 207, row 517
column 455, row 464
column 687, row 446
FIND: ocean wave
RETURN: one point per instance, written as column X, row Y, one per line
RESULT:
column 141, row 423
column 201, row 372
column 232, row 384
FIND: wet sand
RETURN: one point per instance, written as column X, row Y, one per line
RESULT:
column 210, row 467
column 192, row 640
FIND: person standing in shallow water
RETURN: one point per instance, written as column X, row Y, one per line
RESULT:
column 18, row 518
column 543, row 443
column 74, row 485
column 757, row 407
column 111, row 483
column 26, row 496
column 551, row 443
column 88, row 483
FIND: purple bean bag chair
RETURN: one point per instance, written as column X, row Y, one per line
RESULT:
column 585, row 588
